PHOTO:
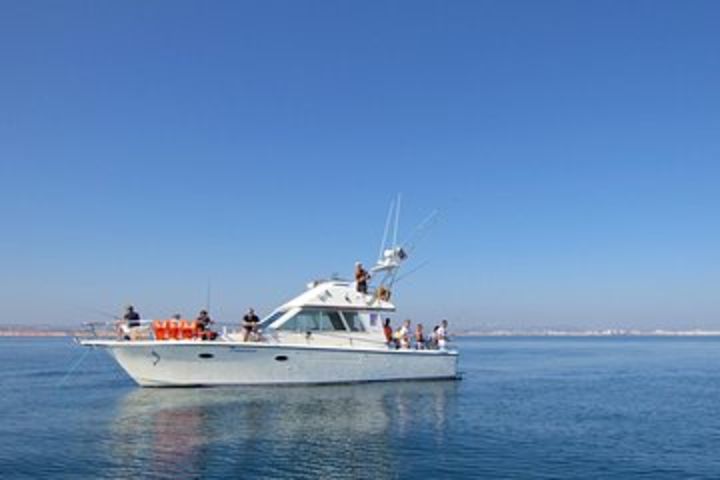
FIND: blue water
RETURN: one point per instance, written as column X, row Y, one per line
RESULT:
column 526, row 408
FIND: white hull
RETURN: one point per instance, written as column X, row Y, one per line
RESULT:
column 192, row 363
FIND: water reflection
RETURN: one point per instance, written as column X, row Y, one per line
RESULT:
column 338, row 431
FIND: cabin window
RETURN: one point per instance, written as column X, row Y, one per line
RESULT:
column 308, row 321
column 290, row 324
column 298, row 322
column 314, row 320
column 271, row 319
column 331, row 321
column 354, row 322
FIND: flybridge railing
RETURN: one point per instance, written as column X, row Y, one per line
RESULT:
column 113, row 330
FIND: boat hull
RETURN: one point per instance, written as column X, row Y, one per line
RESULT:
column 157, row 364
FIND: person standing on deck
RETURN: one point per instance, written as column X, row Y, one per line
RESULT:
column 419, row 337
column 250, row 323
column 434, row 338
column 361, row 278
column 388, row 331
column 402, row 335
column 442, row 334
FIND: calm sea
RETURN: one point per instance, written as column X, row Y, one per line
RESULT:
column 526, row 408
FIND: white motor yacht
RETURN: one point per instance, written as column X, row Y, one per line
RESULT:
column 331, row 333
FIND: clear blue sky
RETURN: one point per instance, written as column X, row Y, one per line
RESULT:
column 573, row 147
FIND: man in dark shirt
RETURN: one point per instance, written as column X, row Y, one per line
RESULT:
column 131, row 320
column 250, row 323
column 131, row 317
column 203, row 322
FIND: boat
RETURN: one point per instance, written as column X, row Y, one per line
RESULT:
column 330, row 333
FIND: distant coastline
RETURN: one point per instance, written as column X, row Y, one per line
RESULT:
column 46, row 331
column 40, row 331
column 590, row 333
column 34, row 333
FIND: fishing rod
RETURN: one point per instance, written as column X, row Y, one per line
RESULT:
column 410, row 272
column 100, row 311
column 207, row 296
column 421, row 230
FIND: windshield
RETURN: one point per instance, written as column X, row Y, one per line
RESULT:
column 267, row 321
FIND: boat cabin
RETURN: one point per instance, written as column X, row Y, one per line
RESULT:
column 329, row 313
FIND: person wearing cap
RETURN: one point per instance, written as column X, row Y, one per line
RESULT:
column 250, row 323
column 361, row 278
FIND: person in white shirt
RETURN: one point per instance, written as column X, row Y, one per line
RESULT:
column 442, row 334
column 434, row 338
column 402, row 335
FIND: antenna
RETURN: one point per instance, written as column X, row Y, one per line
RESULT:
column 207, row 296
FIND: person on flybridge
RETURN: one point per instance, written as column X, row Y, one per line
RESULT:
column 361, row 278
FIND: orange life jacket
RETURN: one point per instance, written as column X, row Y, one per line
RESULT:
column 186, row 331
column 159, row 330
column 173, row 329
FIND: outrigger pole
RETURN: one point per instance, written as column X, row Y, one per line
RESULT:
column 387, row 227
column 397, row 219
column 392, row 256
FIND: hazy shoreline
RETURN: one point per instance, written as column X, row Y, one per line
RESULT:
column 592, row 333
column 17, row 331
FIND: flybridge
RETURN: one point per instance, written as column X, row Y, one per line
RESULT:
column 338, row 294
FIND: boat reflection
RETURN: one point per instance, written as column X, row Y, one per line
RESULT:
column 339, row 431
